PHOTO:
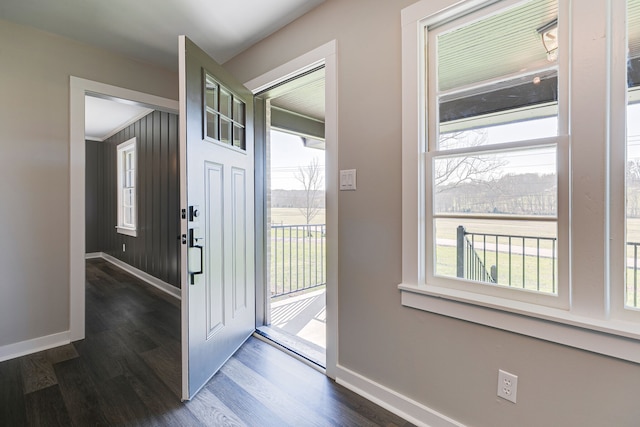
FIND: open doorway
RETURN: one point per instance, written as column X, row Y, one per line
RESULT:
column 79, row 89
column 295, row 225
column 132, row 200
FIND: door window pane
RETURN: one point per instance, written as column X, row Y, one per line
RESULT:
column 225, row 102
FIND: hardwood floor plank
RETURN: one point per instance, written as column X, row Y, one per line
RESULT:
column 293, row 412
column 212, row 412
column 134, row 338
column 12, row 407
column 62, row 353
column 80, row 393
column 123, row 406
column 165, row 362
column 244, row 405
column 100, row 353
column 300, row 380
column 37, row 372
column 46, row 408
column 155, row 394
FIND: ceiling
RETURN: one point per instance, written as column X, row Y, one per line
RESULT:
column 148, row 29
column 104, row 117
column 305, row 98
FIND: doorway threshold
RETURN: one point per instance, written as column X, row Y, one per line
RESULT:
column 308, row 351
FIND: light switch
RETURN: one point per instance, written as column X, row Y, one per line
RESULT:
column 347, row 179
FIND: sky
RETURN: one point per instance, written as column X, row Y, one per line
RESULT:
column 287, row 154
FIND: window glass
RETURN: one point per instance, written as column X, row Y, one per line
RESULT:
column 495, row 200
column 632, row 290
column 126, row 168
column 496, row 74
column 500, row 45
column 224, row 115
column 522, row 182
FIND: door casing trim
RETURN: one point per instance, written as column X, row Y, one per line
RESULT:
column 326, row 54
column 78, row 88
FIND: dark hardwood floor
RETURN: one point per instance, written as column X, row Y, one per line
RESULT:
column 127, row 372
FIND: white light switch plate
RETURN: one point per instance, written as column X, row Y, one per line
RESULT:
column 347, row 179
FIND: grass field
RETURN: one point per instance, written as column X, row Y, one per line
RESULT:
column 293, row 216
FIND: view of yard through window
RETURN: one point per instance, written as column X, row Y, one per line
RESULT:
column 494, row 150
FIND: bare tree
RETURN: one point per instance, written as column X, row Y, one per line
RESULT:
column 451, row 172
column 311, row 178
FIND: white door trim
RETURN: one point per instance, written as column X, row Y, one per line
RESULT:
column 77, row 90
column 326, row 54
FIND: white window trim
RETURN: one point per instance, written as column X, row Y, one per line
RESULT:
column 129, row 145
column 591, row 322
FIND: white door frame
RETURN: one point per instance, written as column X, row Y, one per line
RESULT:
column 78, row 89
column 327, row 55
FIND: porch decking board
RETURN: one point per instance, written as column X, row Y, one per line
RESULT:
column 127, row 372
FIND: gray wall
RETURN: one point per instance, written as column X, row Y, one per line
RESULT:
column 446, row 364
column 34, row 164
column 156, row 248
column 94, row 196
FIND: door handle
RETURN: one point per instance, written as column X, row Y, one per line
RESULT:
column 195, row 269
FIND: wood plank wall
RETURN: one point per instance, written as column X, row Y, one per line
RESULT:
column 156, row 248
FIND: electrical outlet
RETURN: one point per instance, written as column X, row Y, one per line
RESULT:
column 124, row 247
column 507, row 385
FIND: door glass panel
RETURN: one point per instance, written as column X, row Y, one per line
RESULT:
column 225, row 102
column 238, row 111
column 225, row 131
column 212, row 125
column 238, row 136
column 211, row 93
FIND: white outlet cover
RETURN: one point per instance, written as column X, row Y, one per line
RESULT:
column 507, row 385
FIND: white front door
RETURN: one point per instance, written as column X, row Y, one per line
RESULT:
column 217, row 195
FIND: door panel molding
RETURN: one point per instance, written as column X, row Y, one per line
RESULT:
column 214, row 272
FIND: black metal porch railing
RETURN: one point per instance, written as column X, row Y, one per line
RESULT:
column 298, row 259
column 484, row 257
column 469, row 264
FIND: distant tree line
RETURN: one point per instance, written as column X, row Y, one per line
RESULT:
column 293, row 198
column 514, row 194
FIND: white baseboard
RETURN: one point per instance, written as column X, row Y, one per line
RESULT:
column 153, row 281
column 393, row 401
column 11, row 351
column 92, row 255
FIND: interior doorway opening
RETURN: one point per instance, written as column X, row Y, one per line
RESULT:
column 295, row 225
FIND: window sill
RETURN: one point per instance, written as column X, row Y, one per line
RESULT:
column 127, row 231
column 615, row 338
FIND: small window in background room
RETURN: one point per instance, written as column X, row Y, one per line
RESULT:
column 127, row 187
